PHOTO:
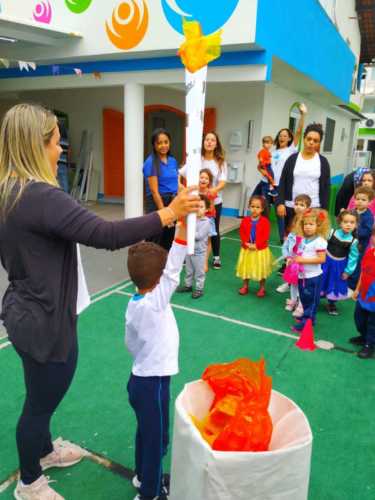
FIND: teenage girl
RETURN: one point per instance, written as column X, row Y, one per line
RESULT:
column 342, row 258
column 255, row 259
column 314, row 228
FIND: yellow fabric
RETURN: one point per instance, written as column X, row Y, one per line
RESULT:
column 198, row 50
column 254, row 264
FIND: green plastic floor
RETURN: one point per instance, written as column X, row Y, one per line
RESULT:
column 334, row 388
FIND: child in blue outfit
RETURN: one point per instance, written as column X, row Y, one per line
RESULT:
column 364, row 315
column 341, row 261
column 152, row 338
column 362, row 199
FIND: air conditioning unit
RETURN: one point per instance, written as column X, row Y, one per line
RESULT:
column 370, row 123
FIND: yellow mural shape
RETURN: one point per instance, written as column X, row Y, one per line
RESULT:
column 128, row 25
column 198, row 50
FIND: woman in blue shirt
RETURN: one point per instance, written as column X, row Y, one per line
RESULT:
column 160, row 171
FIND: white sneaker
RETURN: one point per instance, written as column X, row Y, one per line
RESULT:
column 136, row 482
column 64, row 454
column 298, row 311
column 283, row 288
column 38, row 490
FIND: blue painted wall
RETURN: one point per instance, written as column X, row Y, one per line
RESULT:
column 300, row 33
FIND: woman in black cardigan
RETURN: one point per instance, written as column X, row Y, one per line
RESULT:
column 307, row 172
column 40, row 226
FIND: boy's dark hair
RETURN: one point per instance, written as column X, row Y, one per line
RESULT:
column 342, row 214
column 206, row 201
column 146, row 262
column 366, row 191
column 304, row 198
column 314, row 127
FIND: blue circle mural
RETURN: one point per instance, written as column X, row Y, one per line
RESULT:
column 212, row 14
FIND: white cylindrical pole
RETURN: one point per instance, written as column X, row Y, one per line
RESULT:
column 134, row 148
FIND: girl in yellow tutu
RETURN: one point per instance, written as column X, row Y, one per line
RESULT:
column 255, row 259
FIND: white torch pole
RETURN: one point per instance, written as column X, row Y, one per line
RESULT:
column 195, row 105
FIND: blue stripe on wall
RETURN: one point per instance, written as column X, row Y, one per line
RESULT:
column 249, row 57
column 300, row 33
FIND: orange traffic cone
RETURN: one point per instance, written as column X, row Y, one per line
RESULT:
column 306, row 340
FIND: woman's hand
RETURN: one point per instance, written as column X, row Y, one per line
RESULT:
column 355, row 294
column 281, row 211
column 183, row 204
column 302, row 108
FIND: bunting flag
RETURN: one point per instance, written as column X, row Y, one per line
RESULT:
column 77, row 71
column 25, row 65
column 55, row 69
column 97, row 75
column 5, row 62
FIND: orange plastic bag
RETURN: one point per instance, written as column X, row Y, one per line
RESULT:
column 238, row 419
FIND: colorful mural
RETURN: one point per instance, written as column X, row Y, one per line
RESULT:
column 78, row 6
column 128, row 24
column 211, row 14
column 43, row 12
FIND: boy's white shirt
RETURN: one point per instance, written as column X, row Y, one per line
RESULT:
column 151, row 332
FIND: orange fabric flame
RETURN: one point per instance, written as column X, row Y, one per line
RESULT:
column 198, row 50
column 238, row 419
column 129, row 24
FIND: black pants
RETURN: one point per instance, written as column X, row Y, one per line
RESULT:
column 46, row 385
column 215, row 240
column 166, row 237
column 260, row 190
column 365, row 323
column 149, row 397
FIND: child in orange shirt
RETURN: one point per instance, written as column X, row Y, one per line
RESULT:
column 265, row 167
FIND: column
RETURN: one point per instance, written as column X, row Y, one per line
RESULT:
column 134, row 138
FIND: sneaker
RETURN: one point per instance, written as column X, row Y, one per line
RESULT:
column 216, row 263
column 184, row 289
column 290, row 305
column 283, row 288
column 165, row 483
column 366, row 352
column 261, row 293
column 136, row 482
column 197, row 294
column 64, row 454
column 357, row 340
column 332, row 309
column 38, row 490
column 298, row 311
column 244, row 290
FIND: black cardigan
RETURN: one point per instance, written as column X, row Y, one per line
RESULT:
column 38, row 250
column 345, row 193
column 285, row 187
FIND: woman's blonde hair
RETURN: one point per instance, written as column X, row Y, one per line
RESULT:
column 321, row 218
column 25, row 131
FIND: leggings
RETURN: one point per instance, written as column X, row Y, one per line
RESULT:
column 215, row 240
column 46, row 385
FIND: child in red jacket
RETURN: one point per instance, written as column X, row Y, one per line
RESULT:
column 255, row 259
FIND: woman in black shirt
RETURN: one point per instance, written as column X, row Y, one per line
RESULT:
column 40, row 226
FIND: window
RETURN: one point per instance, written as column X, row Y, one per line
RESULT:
column 329, row 135
column 360, row 144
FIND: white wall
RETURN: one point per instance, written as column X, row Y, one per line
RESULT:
column 343, row 14
column 91, row 24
